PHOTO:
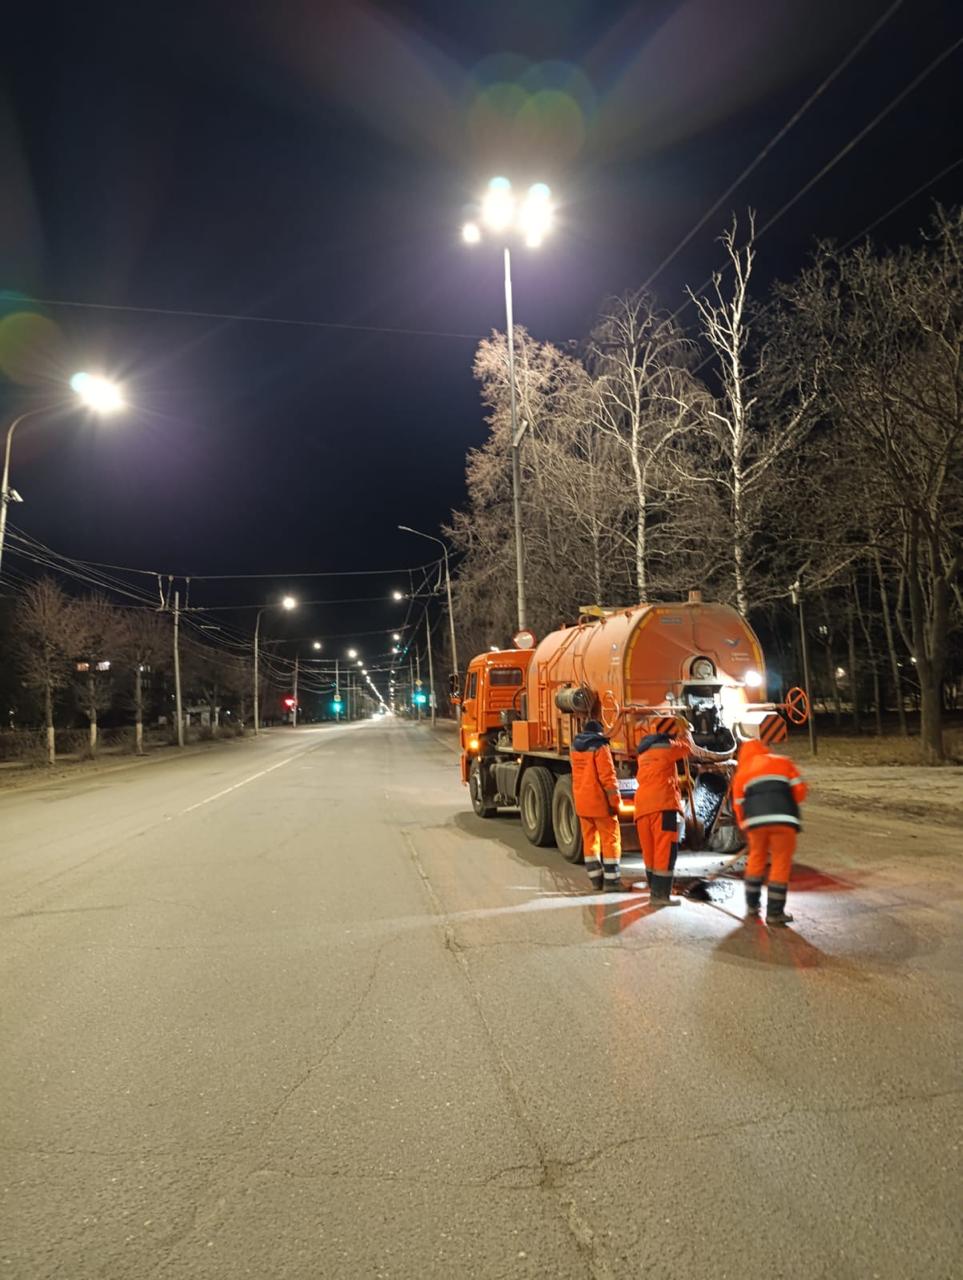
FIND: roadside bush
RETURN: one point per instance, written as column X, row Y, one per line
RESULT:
column 24, row 745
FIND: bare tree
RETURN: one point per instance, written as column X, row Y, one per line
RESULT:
column 99, row 629
column 644, row 398
column 889, row 329
column 751, row 430
column 46, row 646
column 145, row 643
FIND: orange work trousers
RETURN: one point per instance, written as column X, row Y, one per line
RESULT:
column 659, row 839
column 601, row 834
column 772, row 845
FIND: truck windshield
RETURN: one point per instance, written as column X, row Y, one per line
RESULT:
column 505, row 675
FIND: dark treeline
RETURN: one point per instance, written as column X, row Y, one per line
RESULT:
column 83, row 660
column 812, row 438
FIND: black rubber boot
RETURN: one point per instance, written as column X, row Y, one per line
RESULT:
column 753, row 897
column 660, row 890
column 612, row 877
column 593, row 869
column 776, row 912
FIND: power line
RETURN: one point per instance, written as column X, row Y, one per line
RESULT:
column 831, row 164
column 868, row 128
column 239, row 317
column 777, row 137
column 900, row 203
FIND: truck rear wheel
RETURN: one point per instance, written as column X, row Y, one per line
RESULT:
column 479, row 802
column 568, row 829
column 535, row 805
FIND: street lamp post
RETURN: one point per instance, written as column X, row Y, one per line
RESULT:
column 451, row 615
column 288, row 602
column 501, row 213
column 95, row 392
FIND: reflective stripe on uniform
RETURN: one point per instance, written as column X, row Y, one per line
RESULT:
column 773, row 820
column 771, row 777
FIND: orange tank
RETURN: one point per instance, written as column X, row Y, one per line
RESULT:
column 639, row 664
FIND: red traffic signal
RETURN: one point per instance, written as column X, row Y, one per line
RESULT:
column 290, row 702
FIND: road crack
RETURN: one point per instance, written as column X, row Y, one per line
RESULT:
column 548, row 1171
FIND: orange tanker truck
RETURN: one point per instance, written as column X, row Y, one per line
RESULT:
column 636, row 669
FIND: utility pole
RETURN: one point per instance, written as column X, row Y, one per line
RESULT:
column 797, row 599
column 294, row 691
column 431, row 670
column 337, row 693
column 418, row 680
column 257, row 691
column 178, row 711
column 516, row 448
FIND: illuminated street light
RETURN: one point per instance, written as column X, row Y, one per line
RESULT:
column 397, row 595
column 502, row 214
column 405, row 528
column 96, row 393
column 395, row 635
column 498, row 205
column 317, row 645
column 288, row 603
column 352, row 653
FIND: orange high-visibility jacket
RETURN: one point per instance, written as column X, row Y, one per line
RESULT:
column 657, row 774
column 767, row 789
column 595, row 788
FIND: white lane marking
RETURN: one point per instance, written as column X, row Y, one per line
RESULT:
column 243, row 783
column 330, row 733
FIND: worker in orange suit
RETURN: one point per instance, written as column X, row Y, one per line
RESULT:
column 767, row 790
column 595, row 792
column 658, row 804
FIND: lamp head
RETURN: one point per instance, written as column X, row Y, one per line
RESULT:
column 97, row 393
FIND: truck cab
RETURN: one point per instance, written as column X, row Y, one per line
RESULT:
column 491, row 698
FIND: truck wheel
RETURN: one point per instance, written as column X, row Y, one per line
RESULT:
column 482, row 806
column 535, row 805
column 726, row 839
column 568, row 831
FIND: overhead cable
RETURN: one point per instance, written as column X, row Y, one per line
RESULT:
column 777, row 138
column 239, row 317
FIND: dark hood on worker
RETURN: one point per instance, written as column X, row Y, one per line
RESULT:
column 653, row 740
column 587, row 741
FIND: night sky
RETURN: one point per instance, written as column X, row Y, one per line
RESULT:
column 312, row 161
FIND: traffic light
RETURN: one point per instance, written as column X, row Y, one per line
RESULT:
column 336, row 704
column 290, row 702
column 420, row 698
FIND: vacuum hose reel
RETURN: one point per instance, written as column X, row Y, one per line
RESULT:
column 577, row 699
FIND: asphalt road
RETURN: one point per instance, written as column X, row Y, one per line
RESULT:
column 288, row 1009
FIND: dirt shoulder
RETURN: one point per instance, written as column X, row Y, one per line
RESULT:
column 865, row 775
column 881, row 776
